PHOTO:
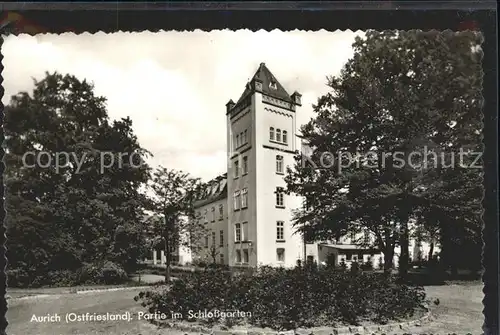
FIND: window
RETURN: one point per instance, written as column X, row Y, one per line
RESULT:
column 279, row 164
column 279, row 197
column 280, row 254
column 245, row 133
column 237, row 232
column 237, row 140
column 245, row 165
column 244, row 198
column 244, row 231
column 221, row 212
column 245, row 256
column 278, row 135
column 213, row 214
column 271, row 134
column 238, row 256
column 221, row 238
column 280, row 231
column 366, row 238
column 285, row 136
column 213, row 239
column 273, row 85
column 206, row 241
column 221, row 257
column 205, row 215
column 236, row 200
column 236, row 169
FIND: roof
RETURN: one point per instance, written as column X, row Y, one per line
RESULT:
column 215, row 189
column 345, row 246
column 266, row 78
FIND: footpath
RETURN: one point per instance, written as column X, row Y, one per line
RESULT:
column 144, row 279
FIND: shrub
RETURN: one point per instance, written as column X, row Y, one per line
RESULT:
column 290, row 298
column 105, row 272
column 355, row 267
column 368, row 265
column 17, row 278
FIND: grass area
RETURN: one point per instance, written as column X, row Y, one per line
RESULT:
column 459, row 310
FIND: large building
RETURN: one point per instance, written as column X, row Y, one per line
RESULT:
column 247, row 215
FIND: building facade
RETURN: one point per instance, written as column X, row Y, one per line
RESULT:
column 246, row 212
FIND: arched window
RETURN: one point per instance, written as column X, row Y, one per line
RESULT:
column 285, row 136
column 271, row 134
column 278, row 135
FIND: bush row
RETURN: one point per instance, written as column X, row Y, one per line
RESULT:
column 289, row 298
column 104, row 272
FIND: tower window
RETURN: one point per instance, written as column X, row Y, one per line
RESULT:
column 245, row 256
column 244, row 231
column 245, row 165
column 280, row 231
column 206, row 241
column 213, row 239
column 221, row 238
column 237, row 140
column 271, row 134
column 285, row 136
column 273, row 85
column 278, row 135
column 279, row 164
column 236, row 171
column 245, row 139
column 213, row 214
column 237, row 232
column 244, row 198
column 236, row 200
column 280, row 254
column 280, row 197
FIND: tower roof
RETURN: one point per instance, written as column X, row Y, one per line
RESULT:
column 270, row 85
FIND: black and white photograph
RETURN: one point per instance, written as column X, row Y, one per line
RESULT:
column 244, row 182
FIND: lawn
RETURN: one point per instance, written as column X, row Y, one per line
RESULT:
column 459, row 310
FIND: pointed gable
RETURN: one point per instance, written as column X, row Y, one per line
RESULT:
column 270, row 85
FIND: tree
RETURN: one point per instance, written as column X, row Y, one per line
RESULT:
column 402, row 92
column 172, row 200
column 68, row 186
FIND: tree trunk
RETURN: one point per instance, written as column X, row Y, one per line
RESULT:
column 167, row 260
column 431, row 251
column 388, row 260
column 404, row 258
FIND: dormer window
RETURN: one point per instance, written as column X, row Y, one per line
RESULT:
column 273, row 85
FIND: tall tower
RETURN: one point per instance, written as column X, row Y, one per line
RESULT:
column 261, row 144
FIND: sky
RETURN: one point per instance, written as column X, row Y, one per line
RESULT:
column 174, row 85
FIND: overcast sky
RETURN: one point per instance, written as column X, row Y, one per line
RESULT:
column 174, row 85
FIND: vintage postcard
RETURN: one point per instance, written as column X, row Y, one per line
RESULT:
column 244, row 182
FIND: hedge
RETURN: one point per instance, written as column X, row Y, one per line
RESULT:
column 284, row 299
